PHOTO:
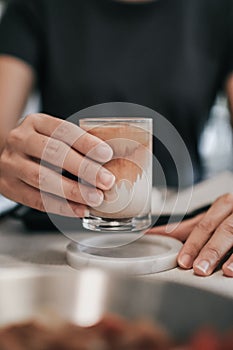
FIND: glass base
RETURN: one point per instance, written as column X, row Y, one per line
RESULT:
column 96, row 223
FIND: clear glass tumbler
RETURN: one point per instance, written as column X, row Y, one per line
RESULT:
column 127, row 206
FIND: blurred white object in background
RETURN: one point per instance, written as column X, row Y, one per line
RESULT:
column 216, row 143
column 33, row 105
column 6, row 205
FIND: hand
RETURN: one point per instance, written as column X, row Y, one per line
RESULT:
column 24, row 179
column 209, row 237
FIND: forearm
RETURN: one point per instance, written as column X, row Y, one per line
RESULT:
column 16, row 82
column 229, row 92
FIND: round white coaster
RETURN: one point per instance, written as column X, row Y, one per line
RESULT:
column 149, row 254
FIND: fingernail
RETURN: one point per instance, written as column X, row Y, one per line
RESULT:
column 103, row 152
column 230, row 267
column 107, row 179
column 185, row 261
column 203, row 266
column 94, row 198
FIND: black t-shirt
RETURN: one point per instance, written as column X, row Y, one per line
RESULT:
column 170, row 55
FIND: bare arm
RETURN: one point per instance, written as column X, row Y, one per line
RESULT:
column 229, row 92
column 16, row 82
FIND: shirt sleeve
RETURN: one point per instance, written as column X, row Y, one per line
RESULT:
column 21, row 32
column 229, row 47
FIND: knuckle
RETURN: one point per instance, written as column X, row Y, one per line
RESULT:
column 54, row 151
column 74, row 191
column 91, row 143
column 4, row 158
column 14, row 137
column 226, row 199
column 62, row 131
column 226, row 227
column 86, row 169
column 206, row 225
column 30, row 118
column 42, row 180
column 213, row 253
column 35, row 177
column 192, row 248
column 82, row 140
column 87, row 143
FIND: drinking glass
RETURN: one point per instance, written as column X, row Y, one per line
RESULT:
column 127, row 205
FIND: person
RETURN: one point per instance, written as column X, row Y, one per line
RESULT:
column 170, row 55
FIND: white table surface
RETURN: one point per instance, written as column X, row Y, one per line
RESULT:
column 21, row 248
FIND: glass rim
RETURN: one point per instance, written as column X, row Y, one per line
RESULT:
column 117, row 119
